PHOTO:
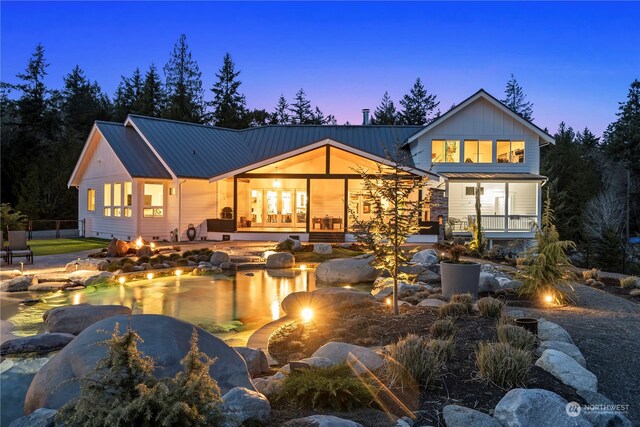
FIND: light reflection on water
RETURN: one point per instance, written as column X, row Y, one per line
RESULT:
column 228, row 306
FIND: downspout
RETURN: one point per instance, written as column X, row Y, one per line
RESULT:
column 180, row 208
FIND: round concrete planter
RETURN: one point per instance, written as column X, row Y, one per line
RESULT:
column 460, row 278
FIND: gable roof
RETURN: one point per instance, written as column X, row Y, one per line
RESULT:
column 544, row 136
column 200, row 151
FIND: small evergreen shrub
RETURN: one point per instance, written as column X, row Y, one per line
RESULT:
column 286, row 245
column 443, row 329
column 143, row 260
column 174, row 257
column 284, row 343
column 182, row 262
column 454, row 309
column 594, row 274
column 490, row 307
column 503, row 365
column 443, row 349
column 630, row 282
column 411, row 361
column 128, row 268
column 332, row 388
column 517, row 337
column 422, row 295
column 124, row 261
column 191, row 258
column 466, row 299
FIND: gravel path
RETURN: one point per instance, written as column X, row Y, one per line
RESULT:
column 606, row 328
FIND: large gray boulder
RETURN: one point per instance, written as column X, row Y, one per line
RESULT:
column 324, row 421
column 488, row 283
column 90, row 277
column 241, row 404
column 87, row 264
column 18, row 284
column 218, row 257
column 569, row 349
column 536, row 407
column 606, row 418
column 461, row 416
column 324, row 299
column 549, row 331
column 427, row 257
column 322, row 248
column 165, row 339
column 256, row 360
column 567, row 370
column 43, row 417
column 280, row 260
column 431, row 302
column 73, row 319
column 361, row 359
column 344, row 271
column 40, row 344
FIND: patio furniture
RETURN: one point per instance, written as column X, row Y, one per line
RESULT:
column 227, row 213
column 315, row 221
column 18, row 246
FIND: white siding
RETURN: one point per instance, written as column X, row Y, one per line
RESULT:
column 103, row 166
column 160, row 227
column 479, row 120
column 198, row 204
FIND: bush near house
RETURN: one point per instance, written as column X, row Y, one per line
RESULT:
column 630, row 282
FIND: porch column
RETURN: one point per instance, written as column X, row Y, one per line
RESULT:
column 506, row 206
column 308, row 219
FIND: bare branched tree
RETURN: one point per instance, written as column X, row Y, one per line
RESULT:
column 604, row 212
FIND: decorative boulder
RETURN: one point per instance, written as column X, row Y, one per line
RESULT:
column 144, row 250
column 256, row 360
column 611, row 418
column 549, row 331
column 43, row 417
column 87, row 264
column 228, row 266
column 40, row 344
column 322, row 248
column 488, row 283
column 361, row 359
column 536, row 407
column 567, row 370
column 431, row 302
column 165, row 339
column 241, row 404
column 323, row 421
column 218, row 257
column 318, row 362
column 569, row 349
column 324, row 299
column 280, row 260
column 117, row 248
column 19, row 284
column 460, row 416
column 427, row 258
column 344, row 271
column 73, row 319
column 288, row 244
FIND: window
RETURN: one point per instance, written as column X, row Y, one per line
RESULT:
column 478, row 151
column 117, row 199
column 91, row 199
column 128, row 198
column 510, row 151
column 471, row 191
column 445, row 151
column 107, row 200
column 153, row 200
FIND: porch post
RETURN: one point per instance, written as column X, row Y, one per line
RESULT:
column 235, row 203
column 346, row 203
column 308, row 204
column 506, row 206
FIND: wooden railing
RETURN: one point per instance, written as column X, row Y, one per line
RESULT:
column 496, row 222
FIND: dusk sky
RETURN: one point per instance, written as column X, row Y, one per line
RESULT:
column 575, row 61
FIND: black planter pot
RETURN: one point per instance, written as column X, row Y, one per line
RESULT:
column 528, row 323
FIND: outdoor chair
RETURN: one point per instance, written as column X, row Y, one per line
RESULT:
column 18, row 246
column 3, row 250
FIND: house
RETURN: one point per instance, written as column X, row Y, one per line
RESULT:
column 162, row 179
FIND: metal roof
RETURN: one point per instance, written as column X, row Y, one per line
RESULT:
column 133, row 152
column 200, row 151
column 498, row 176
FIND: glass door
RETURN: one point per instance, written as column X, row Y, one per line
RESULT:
column 286, row 207
column 279, row 208
column 301, row 208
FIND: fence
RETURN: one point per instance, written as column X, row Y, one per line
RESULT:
column 624, row 259
column 55, row 228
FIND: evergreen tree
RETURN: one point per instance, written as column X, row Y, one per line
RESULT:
column 152, row 95
column 385, row 113
column 301, row 112
column 280, row 115
column 229, row 105
column 417, row 106
column 128, row 99
column 257, row 117
column 83, row 102
column 185, row 100
column 515, row 99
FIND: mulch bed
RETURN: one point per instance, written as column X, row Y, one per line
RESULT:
column 376, row 326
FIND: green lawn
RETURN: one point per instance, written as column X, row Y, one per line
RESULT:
column 63, row 246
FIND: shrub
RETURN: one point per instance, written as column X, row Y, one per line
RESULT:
column 466, row 299
column 375, row 330
column 454, row 309
column 11, row 219
column 124, row 261
column 286, row 245
column 443, row 349
column 411, row 361
column 174, row 257
column 127, row 268
column 331, row 388
column 496, row 252
column 505, row 319
column 364, row 341
column 143, row 260
column 594, row 274
column 490, row 307
column 517, row 337
column 413, row 300
column 630, row 282
column 284, row 344
column 123, row 391
column 503, row 365
column 113, row 266
column 191, row 258
column 181, row 262
column 422, row 295
column 442, row 329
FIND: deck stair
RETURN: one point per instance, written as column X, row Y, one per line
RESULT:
column 325, row 237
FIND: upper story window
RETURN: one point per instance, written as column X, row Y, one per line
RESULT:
column 510, row 151
column 91, row 199
column 107, row 200
column 153, row 200
column 445, row 151
column 476, row 151
column 117, row 199
column 128, row 198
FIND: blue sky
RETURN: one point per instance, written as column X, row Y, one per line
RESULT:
column 574, row 60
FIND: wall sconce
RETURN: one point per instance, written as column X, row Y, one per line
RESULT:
column 172, row 191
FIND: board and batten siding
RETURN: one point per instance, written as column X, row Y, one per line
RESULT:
column 479, row 120
column 198, row 204
column 103, row 166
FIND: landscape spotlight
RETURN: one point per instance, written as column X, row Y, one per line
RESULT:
column 178, row 273
column 149, row 276
column 121, row 279
column 307, row 314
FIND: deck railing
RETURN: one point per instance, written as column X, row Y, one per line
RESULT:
column 495, row 222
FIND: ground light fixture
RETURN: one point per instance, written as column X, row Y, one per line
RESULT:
column 306, row 314
column 303, row 267
column 548, row 298
column 178, row 273
column 149, row 276
column 121, row 279
column 388, row 301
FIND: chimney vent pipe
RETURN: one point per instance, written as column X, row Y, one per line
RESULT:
column 365, row 117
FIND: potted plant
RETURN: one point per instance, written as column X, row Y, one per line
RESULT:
column 459, row 277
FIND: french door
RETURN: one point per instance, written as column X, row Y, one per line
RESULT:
column 286, row 208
